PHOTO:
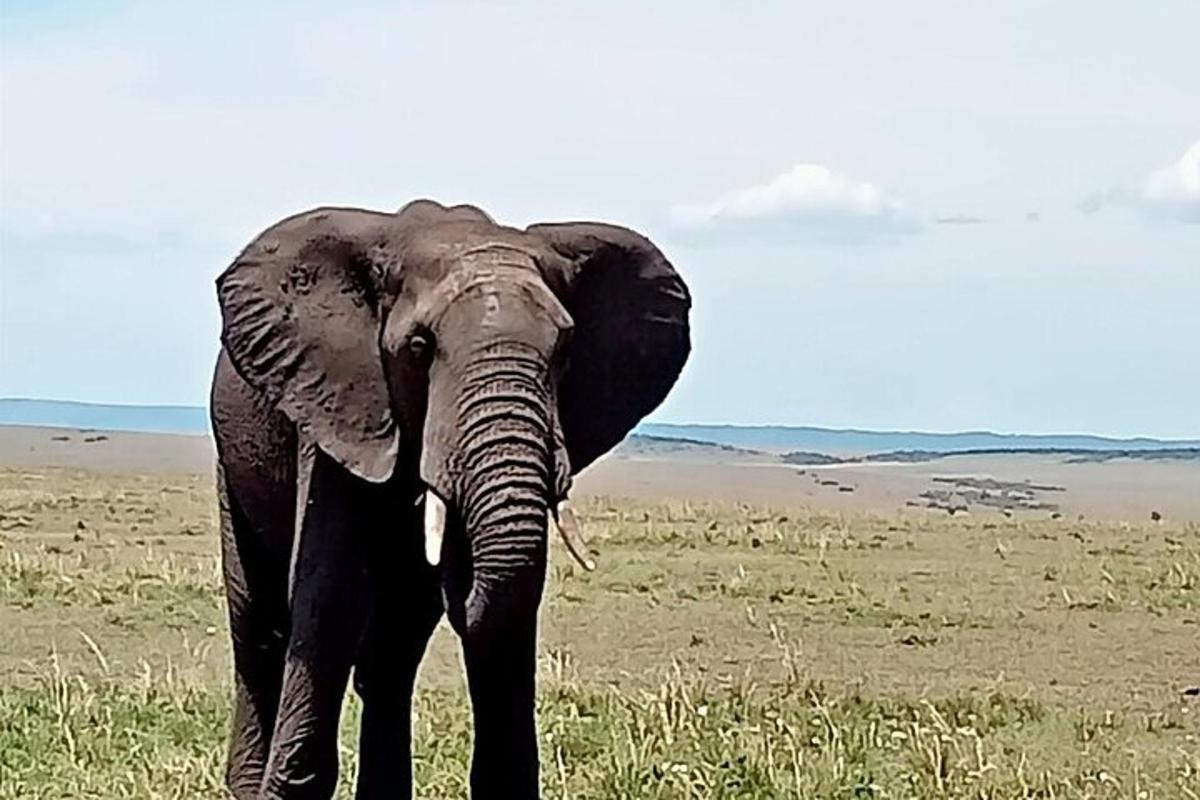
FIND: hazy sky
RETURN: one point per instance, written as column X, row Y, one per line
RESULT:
column 932, row 215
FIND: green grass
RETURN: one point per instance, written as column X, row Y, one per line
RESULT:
column 720, row 651
column 67, row 737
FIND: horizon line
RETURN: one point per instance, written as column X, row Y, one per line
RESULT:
column 725, row 425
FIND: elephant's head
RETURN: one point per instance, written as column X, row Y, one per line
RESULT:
column 483, row 363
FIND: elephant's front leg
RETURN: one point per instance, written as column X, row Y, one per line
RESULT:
column 500, row 651
column 406, row 608
column 328, row 611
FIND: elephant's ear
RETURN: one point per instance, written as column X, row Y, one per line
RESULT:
column 299, row 310
column 631, row 335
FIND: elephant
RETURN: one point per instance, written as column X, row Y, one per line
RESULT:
column 400, row 403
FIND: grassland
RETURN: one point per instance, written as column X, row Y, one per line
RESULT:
column 719, row 651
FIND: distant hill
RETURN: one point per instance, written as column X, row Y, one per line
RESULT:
column 727, row 442
column 1069, row 456
column 67, row 414
column 639, row 445
column 850, row 442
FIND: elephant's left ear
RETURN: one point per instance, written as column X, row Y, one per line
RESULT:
column 300, row 325
column 631, row 335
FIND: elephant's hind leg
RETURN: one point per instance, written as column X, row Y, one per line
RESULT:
column 257, row 596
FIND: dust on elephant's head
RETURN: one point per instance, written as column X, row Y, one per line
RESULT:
column 363, row 327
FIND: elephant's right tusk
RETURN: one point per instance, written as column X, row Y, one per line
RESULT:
column 568, row 528
column 435, row 527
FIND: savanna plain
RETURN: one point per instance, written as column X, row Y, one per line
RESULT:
column 770, row 647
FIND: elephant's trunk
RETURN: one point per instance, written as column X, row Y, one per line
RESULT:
column 505, row 479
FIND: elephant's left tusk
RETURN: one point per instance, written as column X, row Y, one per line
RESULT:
column 435, row 527
column 568, row 528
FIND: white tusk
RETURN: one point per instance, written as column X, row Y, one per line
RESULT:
column 435, row 527
column 568, row 528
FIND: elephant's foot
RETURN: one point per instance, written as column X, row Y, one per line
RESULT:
column 305, row 770
column 248, row 746
column 243, row 785
column 504, row 763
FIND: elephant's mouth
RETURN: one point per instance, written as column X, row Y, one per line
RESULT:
column 562, row 517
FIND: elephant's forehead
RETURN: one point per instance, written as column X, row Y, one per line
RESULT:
column 454, row 238
column 445, row 248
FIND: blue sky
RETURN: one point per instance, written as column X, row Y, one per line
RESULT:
column 924, row 215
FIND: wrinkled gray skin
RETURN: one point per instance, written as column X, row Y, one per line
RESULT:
column 368, row 358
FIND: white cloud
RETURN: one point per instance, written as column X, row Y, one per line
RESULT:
column 1174, row 192
column 809, row 201
column 1170, row 194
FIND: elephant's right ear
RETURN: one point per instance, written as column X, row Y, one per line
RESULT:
column 300, row 323
column 631, row 333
